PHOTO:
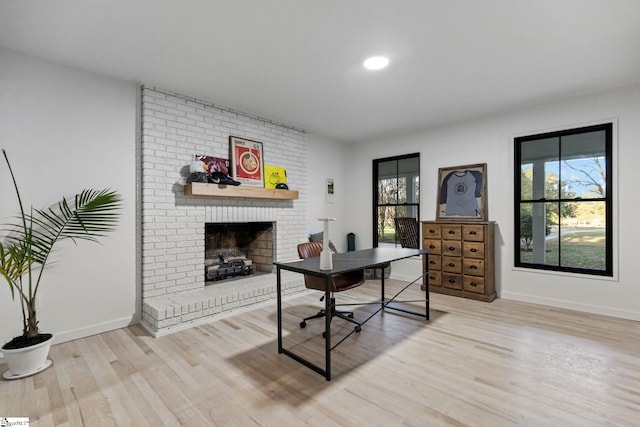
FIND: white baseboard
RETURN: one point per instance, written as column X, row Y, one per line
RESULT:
column 570, row 305
column 87, row 331
column 97, row 328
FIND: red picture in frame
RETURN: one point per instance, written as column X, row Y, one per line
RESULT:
column 247, row 163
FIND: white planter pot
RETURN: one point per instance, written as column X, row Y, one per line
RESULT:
column 26, row 361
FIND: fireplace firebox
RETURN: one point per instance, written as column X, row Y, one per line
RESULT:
column 237, row 249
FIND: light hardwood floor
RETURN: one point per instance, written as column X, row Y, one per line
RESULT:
column 504, row 363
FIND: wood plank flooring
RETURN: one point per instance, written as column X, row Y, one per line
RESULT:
column 474, row 364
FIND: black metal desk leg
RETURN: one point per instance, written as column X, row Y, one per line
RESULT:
column 425, row 281
column 279, row 295
column 381, row 285
column 328, row 304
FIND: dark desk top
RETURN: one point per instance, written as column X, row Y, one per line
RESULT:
column 351, row 261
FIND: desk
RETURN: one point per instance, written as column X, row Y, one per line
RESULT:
column 344, row 263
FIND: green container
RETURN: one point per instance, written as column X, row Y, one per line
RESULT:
column 351, row 242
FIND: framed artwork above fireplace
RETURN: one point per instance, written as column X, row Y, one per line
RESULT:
column 247, row 162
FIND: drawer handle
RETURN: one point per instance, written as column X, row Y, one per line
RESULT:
column 432, row 262
column 432, row 277
column 452, row 232
column 473, row 267
column 451, row 248
column 451, row 264
column 432, row 247
column 474, row 284
column 474, row 250
column 452, row 280
column 432, row 231
column 473, row 233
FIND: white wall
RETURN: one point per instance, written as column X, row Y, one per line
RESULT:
column 66, row 130
column 329, row 159
column 490, row 140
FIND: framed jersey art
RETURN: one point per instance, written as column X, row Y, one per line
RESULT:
column 462, row 193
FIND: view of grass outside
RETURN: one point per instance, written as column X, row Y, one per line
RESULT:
column 582, row 247
column 563, row 206
column 388, row 234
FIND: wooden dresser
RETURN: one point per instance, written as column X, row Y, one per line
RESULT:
column 461, row 258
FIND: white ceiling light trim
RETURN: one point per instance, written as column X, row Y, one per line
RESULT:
column 376, row 63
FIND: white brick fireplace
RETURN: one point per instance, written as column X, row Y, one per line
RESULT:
column 174, row 128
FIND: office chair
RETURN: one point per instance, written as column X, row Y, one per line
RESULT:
column 338, row 283
column 407, row 232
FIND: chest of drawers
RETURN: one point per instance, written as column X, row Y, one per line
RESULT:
column 461, row 258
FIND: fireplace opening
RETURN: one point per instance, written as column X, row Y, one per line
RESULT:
column 237, row 249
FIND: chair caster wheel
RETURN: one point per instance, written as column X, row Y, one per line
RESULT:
column 324, row 335
column 358, row 328
column 303, row 324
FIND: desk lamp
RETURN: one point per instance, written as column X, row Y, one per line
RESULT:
column 326, row 262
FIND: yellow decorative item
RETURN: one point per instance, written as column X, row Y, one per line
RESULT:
column 274, row 175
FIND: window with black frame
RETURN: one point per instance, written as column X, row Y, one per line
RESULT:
column 563, row 206
column 396, row 194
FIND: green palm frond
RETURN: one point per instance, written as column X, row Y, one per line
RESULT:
column 92, row 214
column 29, row 240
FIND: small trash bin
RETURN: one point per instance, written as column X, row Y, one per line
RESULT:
column 351, row 242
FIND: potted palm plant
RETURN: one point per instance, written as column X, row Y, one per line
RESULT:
column 25, row 248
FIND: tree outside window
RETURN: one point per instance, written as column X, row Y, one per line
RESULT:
column 396, row 194
column 563, row 203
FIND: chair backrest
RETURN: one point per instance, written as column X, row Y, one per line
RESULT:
column 339, row 282
column 309, row 250
column 407, row 231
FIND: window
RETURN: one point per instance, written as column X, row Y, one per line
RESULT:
column 563, row 207
column 396, row 193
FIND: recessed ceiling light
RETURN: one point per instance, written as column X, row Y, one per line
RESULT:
column 376, row 63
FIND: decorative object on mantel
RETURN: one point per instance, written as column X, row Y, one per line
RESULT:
column 208, row 169
column 274, row 175
column 462, row 193
column 247, row 164
column 241, row 192
column 198, row 172
column 25, row 251
column 222, row 179
column 214, row 164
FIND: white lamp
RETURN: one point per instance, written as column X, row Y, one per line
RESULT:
column 326, row 262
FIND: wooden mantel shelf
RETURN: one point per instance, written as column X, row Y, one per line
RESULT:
column 237, row 192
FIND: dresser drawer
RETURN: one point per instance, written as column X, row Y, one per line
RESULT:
column 451, row 232
column 435, row 278
column 473, row 284
column 472, row 266
column 473, row 250
column 451, row 247
column 452, row 281
column 473, row 233
column 461, row 258
column 435, row 262
column 452, row 264
column 431, row 231
column 433, row 246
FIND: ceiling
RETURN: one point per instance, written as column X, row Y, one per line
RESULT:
column 300, row 61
